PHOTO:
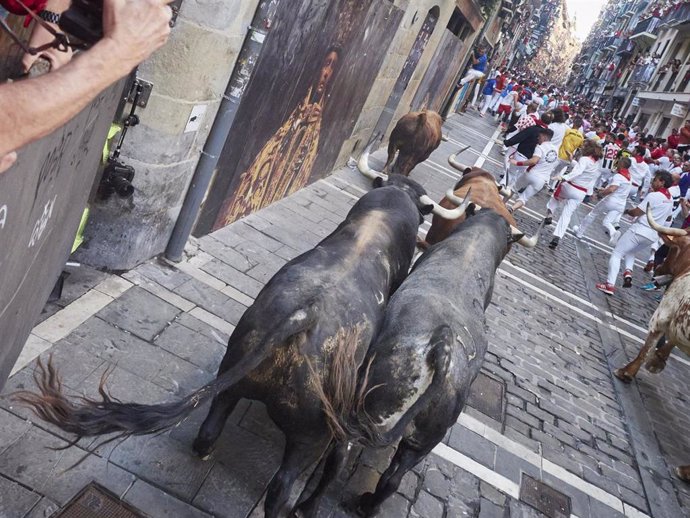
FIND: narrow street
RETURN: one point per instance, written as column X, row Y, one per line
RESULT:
column 545, row 407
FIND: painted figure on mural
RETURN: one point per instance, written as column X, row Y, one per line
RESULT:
column 285, row 163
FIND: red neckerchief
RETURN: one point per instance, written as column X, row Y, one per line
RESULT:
column 665, row 192
column 639, row 159
column 624, row 173
column 541, row 123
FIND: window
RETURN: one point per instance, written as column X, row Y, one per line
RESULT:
column 459, row 25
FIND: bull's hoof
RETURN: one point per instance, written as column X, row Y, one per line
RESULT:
column 202, row 449
column 622, row 375
column 683, row 473
column 655, row 364
column 362, row 506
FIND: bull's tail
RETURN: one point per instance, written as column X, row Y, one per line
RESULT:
column 88, row 417
column 347, row 416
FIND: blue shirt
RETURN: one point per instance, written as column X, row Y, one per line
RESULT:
column 489, row 87
column 481, row 64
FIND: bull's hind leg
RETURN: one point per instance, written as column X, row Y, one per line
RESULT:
column 300, row 454
column 221, row 408
column 657, row 358
column 405, row 458
column 392, row 149
column 627, row 373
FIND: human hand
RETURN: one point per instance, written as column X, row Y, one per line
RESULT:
column 513, row 161
column 7, row 161
column 135, row 29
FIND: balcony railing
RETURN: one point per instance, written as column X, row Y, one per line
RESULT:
column 611, row 43
column 678, row 15
column 642, row 74
column 626, row 48
column 646, row 28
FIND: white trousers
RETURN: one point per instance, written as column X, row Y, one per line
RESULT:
column 532, row 183
column 512, row 172
column 490, row 101
column 612, row 210
column 605, row 175
column 562, row 164
column 471, row 75
column 626, row 248
column 567, row 205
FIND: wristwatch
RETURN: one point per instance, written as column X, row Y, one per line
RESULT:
column 49, row 16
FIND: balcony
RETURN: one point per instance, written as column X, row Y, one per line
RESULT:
column 642, row 75
column 611, row 43
column 677, row 16
column 645, row 31
column 626, row 48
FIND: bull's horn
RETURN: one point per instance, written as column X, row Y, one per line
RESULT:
column 663, row 230
column 446, row 213
column 450, row 194
column 444, row 138
column 363, row 164
column 527, row 242
column 505, row 192
column 452, row 160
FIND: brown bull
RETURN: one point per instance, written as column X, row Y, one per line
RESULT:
column 486, row 193
column 669, row 326
column 414, row 138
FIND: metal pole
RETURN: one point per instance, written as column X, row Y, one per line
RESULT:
column 241, row 75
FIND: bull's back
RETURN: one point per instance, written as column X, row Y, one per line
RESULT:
column 673, row 313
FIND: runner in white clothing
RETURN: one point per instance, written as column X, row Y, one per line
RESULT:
column 573, row 189
column 611, row 150
column 613, row 199
column 539, row 170
column 640, row 235
column 639, row 171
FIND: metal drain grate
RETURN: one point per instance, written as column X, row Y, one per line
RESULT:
column 94, row 501
column 486, row 395
column 546, row 499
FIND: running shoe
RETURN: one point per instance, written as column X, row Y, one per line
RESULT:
column 554, row 243
column 627, row 279
column 607, row 288
column 650, row 286
column 548, row 220
column 649, row 266
column 658, row 297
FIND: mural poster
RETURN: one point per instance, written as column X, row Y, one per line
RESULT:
column 314, row 74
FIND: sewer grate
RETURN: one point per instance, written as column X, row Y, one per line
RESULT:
column 94, row 501
column 546, row 499
column 486, row 396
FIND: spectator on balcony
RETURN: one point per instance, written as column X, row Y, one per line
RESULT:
column 684, row 142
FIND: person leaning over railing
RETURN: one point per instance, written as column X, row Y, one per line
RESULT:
column 132, row 31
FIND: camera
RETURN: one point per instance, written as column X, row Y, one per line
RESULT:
column 84, row 20
column 117, row 179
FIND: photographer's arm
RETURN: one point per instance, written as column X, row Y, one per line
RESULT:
column 33, row 108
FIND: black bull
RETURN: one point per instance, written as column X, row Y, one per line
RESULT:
column 430, row 349
column 320, row 310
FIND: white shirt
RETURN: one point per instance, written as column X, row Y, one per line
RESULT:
column 559, row 129
column 548, row 158
column 638, row 172
column 664, row 162
column 620, row 195
column 662, row 208
column 585, row 173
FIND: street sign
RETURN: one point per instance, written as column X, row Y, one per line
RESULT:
column 636, row 101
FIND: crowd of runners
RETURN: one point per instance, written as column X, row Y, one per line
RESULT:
column 563, row 143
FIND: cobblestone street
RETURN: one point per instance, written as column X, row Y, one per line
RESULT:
column 545, row 407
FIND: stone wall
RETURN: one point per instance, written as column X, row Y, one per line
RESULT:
column 192, row 69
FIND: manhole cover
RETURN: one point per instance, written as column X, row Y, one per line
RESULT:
column 94, row 501
column 546, row 499
column 486, row 395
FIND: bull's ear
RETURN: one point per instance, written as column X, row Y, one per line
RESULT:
column 426, row 209
column 467, row 170
column 471, row 210
column 378, row 182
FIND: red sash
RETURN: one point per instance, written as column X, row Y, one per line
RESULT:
column 557, row 193
column 665, row 192
column 624, row 173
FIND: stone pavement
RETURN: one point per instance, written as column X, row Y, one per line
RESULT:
column 544, row 408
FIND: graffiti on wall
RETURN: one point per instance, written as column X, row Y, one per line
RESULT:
column 42, row 198
column 314, row 74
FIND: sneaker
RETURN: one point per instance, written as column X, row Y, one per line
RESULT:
column 649, row 266
column 548, row 220
column 650, row 286
column 607, row 288
column 658, row 297
column 627, row 279
column 614, row 238
column 481, row 115
column 554, row 243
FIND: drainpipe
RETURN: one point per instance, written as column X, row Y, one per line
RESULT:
column 241, row 75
